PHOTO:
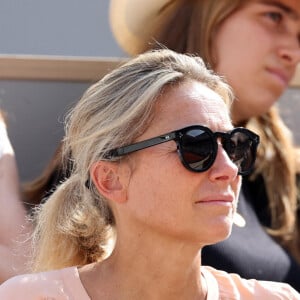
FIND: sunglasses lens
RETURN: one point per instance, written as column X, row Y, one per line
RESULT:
column 241, row 149
column 197, row 149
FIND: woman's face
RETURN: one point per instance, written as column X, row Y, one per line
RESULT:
column 257, row 50
column 163, row 196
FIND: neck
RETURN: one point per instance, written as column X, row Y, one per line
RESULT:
column 157, row 274
column 148, row 270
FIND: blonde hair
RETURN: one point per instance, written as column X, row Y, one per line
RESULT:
column 191, row 28
column 74, row 225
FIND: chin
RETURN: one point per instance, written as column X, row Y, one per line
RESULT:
column 220, row 232
column 224, row 236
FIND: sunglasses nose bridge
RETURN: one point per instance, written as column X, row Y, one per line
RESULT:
column 224, row 154
column 222, row 136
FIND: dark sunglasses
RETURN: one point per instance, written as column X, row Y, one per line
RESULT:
column 197, row 147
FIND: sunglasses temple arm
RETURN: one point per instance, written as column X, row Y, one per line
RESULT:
column 142, row 145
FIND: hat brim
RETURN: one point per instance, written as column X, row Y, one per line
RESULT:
column 135, row 22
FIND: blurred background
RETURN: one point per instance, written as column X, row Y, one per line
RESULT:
column 56, row 27
column 64, row 28
column 35, row 109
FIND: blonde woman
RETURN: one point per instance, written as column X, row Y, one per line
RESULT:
column 255, row 46
column 157, row 167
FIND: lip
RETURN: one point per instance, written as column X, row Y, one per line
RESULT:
column 217, row 199
column 282, row 76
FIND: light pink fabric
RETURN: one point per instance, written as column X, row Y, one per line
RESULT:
column 65, row 284
column 224, row 286
column 62, row 284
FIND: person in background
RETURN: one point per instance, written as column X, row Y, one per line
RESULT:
column 13, row 225
column 255, row 46
column 161, row 111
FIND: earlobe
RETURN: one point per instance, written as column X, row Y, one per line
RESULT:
column 105, row 176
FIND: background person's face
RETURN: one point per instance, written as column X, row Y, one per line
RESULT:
column 165, row 198
column 257, row 50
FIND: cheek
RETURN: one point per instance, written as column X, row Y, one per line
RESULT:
column 158, row 178
column 160, row 184
column 238, row 63
column 226, row 55
column 240, row 40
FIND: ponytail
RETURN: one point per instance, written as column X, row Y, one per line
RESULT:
column 70, row 228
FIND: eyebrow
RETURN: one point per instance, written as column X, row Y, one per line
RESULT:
column 287, row 9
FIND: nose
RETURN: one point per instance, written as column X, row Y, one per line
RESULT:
column 289, row 50
column 223, row 169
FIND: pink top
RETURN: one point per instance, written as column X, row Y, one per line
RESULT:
column 65, row 284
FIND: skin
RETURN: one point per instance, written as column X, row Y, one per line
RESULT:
column 12, row 215
column 164, row 213
column 257, row 50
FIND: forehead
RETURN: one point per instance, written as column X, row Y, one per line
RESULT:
column 191, row 103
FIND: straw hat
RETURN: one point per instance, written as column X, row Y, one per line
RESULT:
column 135, row 22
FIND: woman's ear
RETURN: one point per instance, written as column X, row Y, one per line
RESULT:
column 109, row 180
